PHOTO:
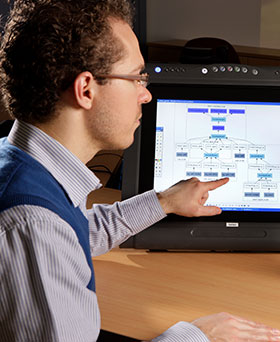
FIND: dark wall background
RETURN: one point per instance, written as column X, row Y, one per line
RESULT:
column 140, row 24
column 4, row 7
column 4, row 10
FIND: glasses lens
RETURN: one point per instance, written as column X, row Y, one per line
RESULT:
column 145, row 80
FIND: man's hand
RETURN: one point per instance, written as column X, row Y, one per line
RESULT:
column 187, row 198
column 223, row 327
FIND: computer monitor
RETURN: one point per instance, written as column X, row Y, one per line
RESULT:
column 211, row 122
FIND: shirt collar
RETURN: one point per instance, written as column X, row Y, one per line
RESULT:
column 76, row 179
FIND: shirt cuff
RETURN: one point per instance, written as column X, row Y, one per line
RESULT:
column 183, row 332
column 142, row 211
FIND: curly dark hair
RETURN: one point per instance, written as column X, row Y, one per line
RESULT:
column 47, row 43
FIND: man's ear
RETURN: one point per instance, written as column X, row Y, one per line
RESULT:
column 84, row 89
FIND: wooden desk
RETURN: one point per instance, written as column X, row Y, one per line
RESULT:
column 142, row 293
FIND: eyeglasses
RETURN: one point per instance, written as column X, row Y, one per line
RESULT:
column 142, row 79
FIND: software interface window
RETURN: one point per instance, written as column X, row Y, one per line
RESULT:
column 214, row 139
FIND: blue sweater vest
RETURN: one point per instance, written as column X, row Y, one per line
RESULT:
column 23, row 180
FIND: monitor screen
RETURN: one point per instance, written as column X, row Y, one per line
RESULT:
column 211, row 122
column 211, row 131
column 214, row 139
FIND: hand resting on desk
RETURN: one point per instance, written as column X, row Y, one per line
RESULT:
column 223, row 327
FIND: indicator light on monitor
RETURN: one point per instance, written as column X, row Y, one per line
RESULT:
column 157, row 69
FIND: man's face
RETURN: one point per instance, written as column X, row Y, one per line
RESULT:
column 117, row 105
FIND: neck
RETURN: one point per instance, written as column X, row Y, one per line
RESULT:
column 68, row 129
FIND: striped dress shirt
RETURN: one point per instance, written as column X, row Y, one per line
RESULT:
column 43, row 269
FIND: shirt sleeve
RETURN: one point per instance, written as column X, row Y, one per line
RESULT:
column 183, row 332
column 43, row 280
column 110, row 225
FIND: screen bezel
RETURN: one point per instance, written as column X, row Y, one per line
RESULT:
column 209, row 92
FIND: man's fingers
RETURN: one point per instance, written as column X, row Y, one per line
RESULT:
column 263, row 332
column 212, row 185
column 226, row 327
column 260, row 332
column 208, row 211
column 243, row 320
column 253, row 324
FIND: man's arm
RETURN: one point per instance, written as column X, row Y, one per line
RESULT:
column 110, row 225
column 181, row 331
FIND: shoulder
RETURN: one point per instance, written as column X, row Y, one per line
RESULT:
column 34, row 220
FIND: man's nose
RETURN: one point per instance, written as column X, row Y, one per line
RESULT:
column 146, row 96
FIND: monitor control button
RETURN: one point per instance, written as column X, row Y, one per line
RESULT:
column 244, row 70
column 204, row 71
column 222, row 68
column 230, row 68
column 237, row 69
column 255, row 72
column 215, row 69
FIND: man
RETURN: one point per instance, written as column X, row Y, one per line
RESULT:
column 71, row 75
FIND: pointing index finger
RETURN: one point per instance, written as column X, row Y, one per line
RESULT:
column 212, row 185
